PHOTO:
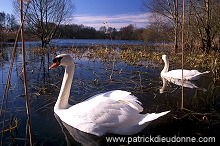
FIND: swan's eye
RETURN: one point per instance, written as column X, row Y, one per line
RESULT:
column 56, row 62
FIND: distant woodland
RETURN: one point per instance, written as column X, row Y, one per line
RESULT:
column 9, row 26
column 46, row 20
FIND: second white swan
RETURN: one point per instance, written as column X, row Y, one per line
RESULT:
column 177, row 74
column 115, row 111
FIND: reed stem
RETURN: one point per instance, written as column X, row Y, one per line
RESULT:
column 25, row 76
column 182, row 102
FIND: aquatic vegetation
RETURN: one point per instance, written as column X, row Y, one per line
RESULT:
column 138, row 54
column 100, row 68
column 12, row 125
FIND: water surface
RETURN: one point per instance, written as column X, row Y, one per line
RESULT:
column 93, row 75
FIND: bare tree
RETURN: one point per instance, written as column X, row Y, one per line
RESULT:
column 159, row 29
column 202, row 19
column 2, row 19
column 44, row 16
column 205, row 21
column 167, row 8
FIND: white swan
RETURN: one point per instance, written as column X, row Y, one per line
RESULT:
column 110, row 112
column 177, row 74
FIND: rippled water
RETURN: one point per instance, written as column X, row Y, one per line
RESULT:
column 94, row 75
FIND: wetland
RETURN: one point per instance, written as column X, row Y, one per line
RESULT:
column 102, row 67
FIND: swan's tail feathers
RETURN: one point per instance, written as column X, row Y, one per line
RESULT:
column 206, row 72
column 151, row 117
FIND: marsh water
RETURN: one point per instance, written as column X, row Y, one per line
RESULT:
column 98, row 72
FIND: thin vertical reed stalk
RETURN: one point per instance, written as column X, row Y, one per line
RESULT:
column 183, row 15
column 25, row 76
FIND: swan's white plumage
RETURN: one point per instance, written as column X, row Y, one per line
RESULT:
column 110, row 112
column 177, row 74
column 187, row 74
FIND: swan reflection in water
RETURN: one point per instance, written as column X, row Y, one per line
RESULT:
column 74, row 136
column 186, row 83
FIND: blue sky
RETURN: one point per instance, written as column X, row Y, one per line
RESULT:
column 118, row 13
column 6, row 6
column 108, row 7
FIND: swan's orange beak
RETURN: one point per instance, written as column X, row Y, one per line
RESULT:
column 54, row 65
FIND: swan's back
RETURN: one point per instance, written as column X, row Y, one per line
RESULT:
column 187, row 74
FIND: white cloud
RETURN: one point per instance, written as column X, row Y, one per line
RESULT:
column 115, row 21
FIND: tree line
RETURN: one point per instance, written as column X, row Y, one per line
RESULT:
column 202, row 21
column 8, row 26
column 8, row 21
column 74, row 31
column 48, row 20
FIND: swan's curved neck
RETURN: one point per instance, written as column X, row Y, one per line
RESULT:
column 62, row 101
column 166, row 66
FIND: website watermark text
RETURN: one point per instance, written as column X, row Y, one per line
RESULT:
column 149, row 139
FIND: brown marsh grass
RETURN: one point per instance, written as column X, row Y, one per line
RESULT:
column 135, row 54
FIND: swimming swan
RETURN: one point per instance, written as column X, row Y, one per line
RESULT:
column 177, row 74
column 115, row 111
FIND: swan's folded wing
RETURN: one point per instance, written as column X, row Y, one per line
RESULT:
column 114, row 114
column 178, row 73
column 125, row 97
